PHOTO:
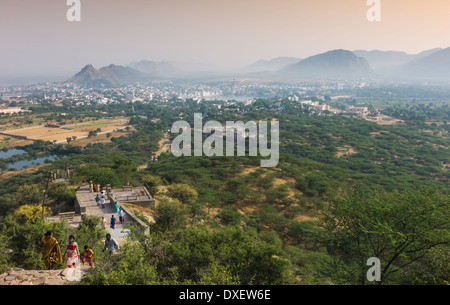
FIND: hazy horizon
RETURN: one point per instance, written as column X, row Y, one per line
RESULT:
column 37, row 39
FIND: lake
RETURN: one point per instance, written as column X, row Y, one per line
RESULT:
column 10, row 153
column 32, row 162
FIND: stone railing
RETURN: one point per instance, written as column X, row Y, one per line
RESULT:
column 129, row 214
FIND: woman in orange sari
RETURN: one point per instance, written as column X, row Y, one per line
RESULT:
column 52, row 253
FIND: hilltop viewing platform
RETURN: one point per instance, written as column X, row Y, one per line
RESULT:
column 85, row 204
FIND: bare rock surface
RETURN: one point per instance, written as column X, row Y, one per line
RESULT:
column 19, row 276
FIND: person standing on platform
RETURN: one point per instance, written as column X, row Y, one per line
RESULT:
column 102, row 201
column 103, row 223
column 121, row 215
column 113, row 222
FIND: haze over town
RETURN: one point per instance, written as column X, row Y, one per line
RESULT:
column 38, row 43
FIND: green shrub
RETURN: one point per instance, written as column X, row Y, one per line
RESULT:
column 170, row 215
column 230, row 217
column 182, row 192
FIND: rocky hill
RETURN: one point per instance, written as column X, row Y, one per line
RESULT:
column 110, row 76
column 334, row 64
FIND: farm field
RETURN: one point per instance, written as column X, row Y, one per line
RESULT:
column 101, row 138
column 90, row 124
column 384, row 120
column 61, row 134
column 9, row 142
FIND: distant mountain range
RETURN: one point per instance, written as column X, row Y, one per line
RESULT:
column 334, row 64
column 271, row 65
column 380, row 60
column 430, row 65
column 434, row 67
column 152, row 67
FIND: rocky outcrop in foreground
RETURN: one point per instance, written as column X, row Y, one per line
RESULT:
column 18, row 276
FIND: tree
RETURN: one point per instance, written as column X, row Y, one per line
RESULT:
column 170, row 215
column 302, row 232
column 183, row 192
column 230, row 217
column 434, row 269
column 62, row 193
column 7, row 203
column 124, row 169
column 151, row 182
column 217, row 274
column 244, row 255
column 197, row 210
column 102, row 176
column 30, row 213
column 397, row 228
column 29, row 194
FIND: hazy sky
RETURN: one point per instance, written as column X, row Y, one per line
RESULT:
column 36, row 36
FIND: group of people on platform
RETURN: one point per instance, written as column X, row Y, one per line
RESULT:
column 93, row 187
column 52, row 254
column 100, row 199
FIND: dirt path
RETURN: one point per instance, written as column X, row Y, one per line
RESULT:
column 164, row 146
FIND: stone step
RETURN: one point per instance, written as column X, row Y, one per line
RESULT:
column 18, row 276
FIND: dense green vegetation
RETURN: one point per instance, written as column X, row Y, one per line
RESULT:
column 344, row 190
column 433, row 117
